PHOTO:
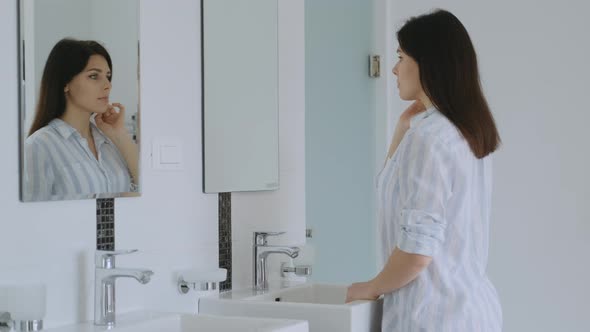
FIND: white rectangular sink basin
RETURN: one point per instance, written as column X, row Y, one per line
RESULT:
column 158, row 322
column 322, row 305
column 312, row 293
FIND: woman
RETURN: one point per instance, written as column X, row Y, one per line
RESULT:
column 78, row 145
column 435, row 188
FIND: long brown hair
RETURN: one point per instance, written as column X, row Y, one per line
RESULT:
column 67, row 59
column 449, row 75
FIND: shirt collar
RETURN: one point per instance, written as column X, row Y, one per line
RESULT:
column 98, row 135
column 66, row 131
column 422, row 115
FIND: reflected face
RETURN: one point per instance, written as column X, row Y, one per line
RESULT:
column 89, row 90
column 408, row 77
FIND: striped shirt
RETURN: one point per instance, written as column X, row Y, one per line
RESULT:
column 434, row 199
column 59, row 164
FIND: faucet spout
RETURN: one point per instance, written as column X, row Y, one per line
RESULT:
column 264, row 251
column 143, row 276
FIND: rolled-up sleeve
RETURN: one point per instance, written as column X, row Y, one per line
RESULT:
column 425, row 188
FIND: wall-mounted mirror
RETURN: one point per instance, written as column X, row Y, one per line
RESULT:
column 240, row 95
column 79, row 99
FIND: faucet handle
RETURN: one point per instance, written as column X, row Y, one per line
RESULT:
column 106, row 259
column 299, row 270
column 260, row 237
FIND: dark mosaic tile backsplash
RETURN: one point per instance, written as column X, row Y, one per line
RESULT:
column 225, row 238
column 105, row 232
column 105, row 224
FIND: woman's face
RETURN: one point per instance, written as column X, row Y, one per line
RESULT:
column 89, row 90
column 408, row 77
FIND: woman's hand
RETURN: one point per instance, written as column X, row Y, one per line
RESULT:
column 403, row 125
column 408, row 114
column 360, row 291
column 112, row 122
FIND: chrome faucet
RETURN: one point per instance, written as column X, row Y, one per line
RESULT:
column 104, row 284
column 261, row 252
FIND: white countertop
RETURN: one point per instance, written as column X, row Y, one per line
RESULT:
column 143, row 321
column 123, row 320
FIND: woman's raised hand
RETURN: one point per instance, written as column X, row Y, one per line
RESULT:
column 403, row 125
column 112, row 122
column 415, row 108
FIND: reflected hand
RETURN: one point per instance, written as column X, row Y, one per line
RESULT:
column 112, row 122
column 360, row 291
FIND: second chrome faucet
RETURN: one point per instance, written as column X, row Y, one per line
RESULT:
column 261, row 252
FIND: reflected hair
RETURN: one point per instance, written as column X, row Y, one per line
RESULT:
column 67, row 59
column 449, row 76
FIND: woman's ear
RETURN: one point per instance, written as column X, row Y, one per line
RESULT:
column 66, row 89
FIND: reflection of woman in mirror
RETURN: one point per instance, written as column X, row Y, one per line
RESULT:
column 78, row 144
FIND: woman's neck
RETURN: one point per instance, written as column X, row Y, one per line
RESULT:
column 78, row 119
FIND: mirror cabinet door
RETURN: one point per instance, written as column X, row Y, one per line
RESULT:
column 240, row 95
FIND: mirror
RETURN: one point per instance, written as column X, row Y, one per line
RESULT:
column 79, row 99
column 240, row 95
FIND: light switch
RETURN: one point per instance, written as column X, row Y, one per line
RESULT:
column 169, row 154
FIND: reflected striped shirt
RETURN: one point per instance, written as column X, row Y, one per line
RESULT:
column 434, row 199
column 58, row 164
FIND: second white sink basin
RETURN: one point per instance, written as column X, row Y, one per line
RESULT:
column 322, row 305
column 312, row 294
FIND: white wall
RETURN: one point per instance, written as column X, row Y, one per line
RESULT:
column 173, row 224
column 533, row 57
